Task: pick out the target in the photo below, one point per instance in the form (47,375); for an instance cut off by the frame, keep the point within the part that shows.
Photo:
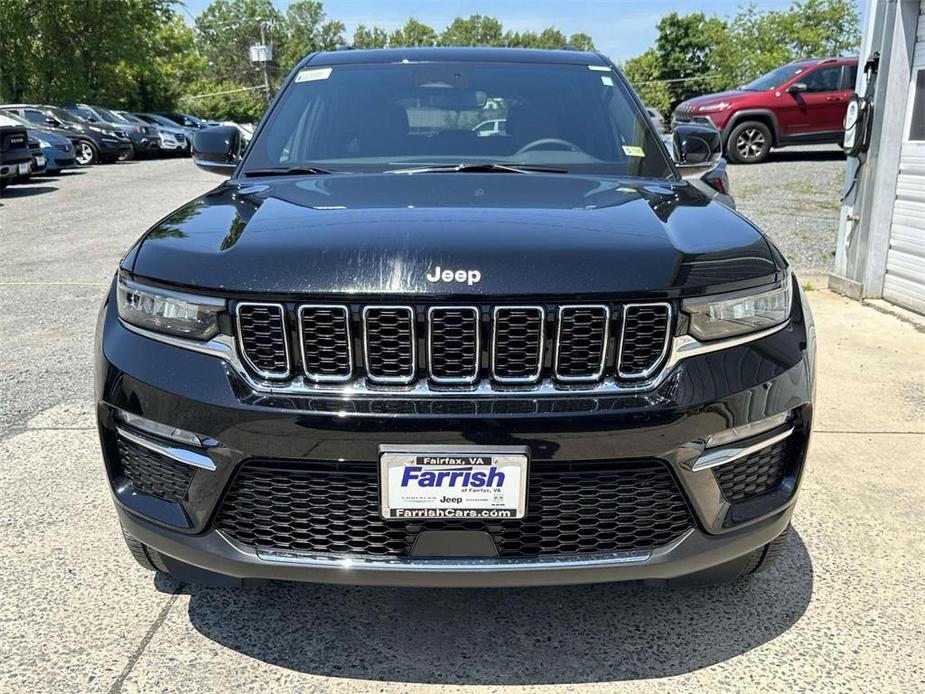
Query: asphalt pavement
(842,611)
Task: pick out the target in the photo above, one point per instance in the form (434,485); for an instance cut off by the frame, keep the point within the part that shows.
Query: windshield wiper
(479,168)
(291,171)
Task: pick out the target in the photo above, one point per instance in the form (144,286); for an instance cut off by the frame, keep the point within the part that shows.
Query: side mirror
(696,148)
(797,88)
(217,149)
(52,121)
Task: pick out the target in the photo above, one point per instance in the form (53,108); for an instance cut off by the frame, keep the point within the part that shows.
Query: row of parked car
(39,138)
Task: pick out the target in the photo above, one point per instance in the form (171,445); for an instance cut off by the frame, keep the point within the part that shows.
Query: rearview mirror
(796,88)
(696,148)
(217,149)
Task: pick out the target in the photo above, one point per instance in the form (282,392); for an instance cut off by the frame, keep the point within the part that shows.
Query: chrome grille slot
(517,344)
(327,350)
(643,339)
(581,342)
(389,343)
(453,344)
(262,339)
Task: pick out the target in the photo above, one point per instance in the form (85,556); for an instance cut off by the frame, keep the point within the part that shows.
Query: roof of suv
(506,55)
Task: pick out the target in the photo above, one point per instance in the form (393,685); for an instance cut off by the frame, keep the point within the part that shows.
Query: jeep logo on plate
(439,274)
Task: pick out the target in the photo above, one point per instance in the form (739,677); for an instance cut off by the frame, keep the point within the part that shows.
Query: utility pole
(266,77)
(262,53)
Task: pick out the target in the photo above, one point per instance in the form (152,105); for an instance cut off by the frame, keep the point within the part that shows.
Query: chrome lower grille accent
(570,346)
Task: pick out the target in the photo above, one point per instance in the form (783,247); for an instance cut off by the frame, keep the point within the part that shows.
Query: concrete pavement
(842,610)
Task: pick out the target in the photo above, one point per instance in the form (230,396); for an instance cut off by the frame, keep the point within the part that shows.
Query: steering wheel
(539,144)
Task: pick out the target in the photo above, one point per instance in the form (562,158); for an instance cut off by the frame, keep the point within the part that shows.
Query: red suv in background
(802,102)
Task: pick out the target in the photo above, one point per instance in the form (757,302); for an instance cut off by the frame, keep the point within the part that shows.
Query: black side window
(851,77)
(825,79)
(33,116)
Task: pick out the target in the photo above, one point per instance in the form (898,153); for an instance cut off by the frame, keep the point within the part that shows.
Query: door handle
(833,98)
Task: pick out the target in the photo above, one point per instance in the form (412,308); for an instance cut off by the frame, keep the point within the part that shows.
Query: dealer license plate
(25,168)
(40,160)
(453,482)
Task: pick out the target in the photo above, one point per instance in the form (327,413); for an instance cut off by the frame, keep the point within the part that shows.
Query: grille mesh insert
(326,349)
(645,334)
(582,342)
(454,344)
(150,473)
(390,347)
(754,475)
(571,509)
(518,344)
(262,331)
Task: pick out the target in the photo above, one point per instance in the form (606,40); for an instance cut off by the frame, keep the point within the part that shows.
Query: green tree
(475,30)
(686,48)
(227,29)
(644,73)
(370,38)
(307,31)
(413,33)
(581,41)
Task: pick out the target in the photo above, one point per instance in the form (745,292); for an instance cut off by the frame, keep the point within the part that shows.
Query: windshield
(61,114)
(4,115)
(382,117)
(773,79)
(109,116)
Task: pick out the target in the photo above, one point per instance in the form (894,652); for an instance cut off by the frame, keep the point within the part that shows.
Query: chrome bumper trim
(464,565)
(180,455)
(732,453)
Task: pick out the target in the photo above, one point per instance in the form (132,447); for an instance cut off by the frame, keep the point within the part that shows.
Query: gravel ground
(841,611)
(795,197)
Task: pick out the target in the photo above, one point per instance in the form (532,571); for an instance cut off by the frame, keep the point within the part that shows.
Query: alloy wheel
(750,143)
(84,153)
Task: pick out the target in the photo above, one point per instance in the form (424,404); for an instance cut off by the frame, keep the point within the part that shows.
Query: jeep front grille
(582,342)
(517,344)
(263,337)
(572,346)
(645,339)
(390,343)
(453,344)
(327,351)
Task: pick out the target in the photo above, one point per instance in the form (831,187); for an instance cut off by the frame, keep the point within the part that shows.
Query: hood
(732,95)
(524,234)
(49,136)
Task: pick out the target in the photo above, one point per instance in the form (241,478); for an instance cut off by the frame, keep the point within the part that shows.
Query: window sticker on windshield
(310,75)
(607,80)
(633,151)
(599,68)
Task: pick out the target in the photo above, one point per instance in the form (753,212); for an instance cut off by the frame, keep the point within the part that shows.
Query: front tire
(743,567)
(145,556)
(749,143)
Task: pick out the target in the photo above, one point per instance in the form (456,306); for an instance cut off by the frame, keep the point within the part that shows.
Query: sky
(620,29)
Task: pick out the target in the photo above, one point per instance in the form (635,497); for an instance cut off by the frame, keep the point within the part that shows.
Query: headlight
(186,315)
(721,316)
(44,143)
(710,108)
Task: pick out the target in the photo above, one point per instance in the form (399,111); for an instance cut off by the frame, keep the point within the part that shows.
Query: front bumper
(703,396)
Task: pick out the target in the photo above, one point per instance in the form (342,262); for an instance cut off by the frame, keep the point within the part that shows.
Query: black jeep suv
(392,350)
